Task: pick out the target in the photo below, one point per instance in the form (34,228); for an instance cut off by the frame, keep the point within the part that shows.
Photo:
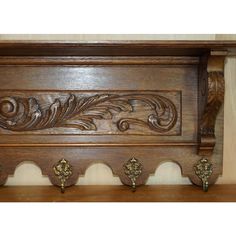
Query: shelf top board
(115,48)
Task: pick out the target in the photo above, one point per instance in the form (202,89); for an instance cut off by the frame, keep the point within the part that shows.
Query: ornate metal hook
(133,169)
(203,170)
(63,170)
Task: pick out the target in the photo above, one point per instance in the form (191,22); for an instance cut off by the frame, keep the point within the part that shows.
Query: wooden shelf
(171,193)
(130,105)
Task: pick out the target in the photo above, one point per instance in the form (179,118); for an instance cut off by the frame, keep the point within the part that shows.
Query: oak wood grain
(160,193)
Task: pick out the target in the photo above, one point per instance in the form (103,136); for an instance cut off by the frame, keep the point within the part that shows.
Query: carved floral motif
(215,98)
(26,114)
(215,89)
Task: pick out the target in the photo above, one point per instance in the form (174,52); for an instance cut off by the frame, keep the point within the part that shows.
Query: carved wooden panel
(156,113)
(130,105)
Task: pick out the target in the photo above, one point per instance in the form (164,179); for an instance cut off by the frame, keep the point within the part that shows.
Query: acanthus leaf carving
(26,114)
(215,99)
(214,87)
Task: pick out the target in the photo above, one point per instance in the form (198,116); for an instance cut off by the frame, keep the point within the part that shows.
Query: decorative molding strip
(124,60)
(79,112)
(160,144)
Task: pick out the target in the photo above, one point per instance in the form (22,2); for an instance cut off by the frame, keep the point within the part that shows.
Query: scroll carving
(214,89)
(80,112)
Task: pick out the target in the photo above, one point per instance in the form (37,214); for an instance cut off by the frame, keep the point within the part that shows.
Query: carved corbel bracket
(211,98)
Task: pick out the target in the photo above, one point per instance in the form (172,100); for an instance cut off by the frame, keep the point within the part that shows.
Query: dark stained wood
(160,193)
(109,102)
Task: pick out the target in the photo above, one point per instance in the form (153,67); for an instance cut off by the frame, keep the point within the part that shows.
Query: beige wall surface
(28,173)
(108,37)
